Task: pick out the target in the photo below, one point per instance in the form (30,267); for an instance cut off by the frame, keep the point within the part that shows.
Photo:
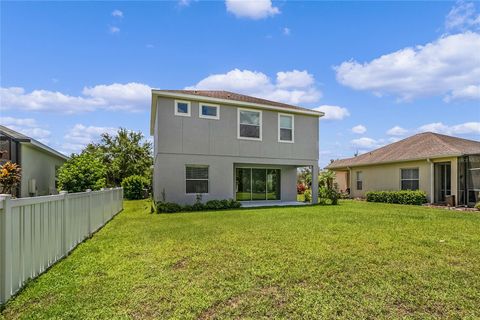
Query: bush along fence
(36,232)
(401,197)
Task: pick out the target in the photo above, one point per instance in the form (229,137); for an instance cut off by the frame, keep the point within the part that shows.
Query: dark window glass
(286,134)
(410,179)
(209,111)
(359,185)
(182,107)
(410,185)
(249,131)
(196,179)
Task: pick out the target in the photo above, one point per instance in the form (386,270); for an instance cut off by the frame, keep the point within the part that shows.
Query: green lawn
(355,260)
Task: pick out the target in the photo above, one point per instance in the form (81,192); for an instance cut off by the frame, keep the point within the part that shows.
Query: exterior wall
(387,176)
(341,180)
(180,140)
(41,166)
(170,176)
(194,135)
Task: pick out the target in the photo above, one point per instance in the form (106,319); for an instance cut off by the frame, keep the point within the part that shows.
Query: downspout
(431,180)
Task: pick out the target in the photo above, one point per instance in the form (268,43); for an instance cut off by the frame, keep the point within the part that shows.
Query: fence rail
(36,232)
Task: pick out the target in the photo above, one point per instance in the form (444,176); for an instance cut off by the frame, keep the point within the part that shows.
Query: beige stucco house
(39,162)
(438,164)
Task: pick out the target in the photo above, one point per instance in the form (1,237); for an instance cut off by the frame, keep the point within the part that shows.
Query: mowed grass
(354,260)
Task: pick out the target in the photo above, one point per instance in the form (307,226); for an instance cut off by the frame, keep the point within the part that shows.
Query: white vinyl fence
(36,232)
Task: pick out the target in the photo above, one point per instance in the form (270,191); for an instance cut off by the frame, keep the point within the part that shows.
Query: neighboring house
(438,164)
(39,162)
(222,145)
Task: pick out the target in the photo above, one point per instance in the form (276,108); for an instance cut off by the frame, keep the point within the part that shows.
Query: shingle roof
(226,95)
(420,146)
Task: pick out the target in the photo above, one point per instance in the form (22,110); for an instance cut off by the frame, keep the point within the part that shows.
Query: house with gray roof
(441,165)
(38,161)
(221,145)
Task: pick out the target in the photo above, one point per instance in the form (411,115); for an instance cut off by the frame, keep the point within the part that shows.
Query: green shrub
(328,195)
(82,172)
(308,195)
(477,205)
(416,197)
(135,187)
(169,207)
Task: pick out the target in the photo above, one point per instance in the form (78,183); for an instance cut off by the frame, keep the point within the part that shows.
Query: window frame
(418,179)
(208,178)
(180,114)
(216,106)
(292,128)
(239,110)
(357,180)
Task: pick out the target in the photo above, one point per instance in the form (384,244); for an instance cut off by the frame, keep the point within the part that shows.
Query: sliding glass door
(257,184)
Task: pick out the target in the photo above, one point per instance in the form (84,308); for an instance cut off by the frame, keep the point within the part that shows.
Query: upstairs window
(409,179)
(249,124)
(182,108)
(359,180)
(209,111)
(285,127)
(196,179)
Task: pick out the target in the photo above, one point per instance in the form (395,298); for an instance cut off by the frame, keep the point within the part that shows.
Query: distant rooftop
(420,146)
(23,138)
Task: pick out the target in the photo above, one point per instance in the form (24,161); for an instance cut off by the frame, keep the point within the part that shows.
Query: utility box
(450,200)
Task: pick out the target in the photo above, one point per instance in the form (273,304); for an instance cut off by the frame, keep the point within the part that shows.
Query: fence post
(103,204)
(66,211)
(5,248)
(112,203)
(89,211)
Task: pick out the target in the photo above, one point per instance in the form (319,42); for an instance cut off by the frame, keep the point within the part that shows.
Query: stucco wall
(39,165)
(387,176)
(170,176)
(194,135)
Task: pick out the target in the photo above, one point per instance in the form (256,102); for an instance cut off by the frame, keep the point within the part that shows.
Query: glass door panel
(259,184)
(273,184)
(244,184)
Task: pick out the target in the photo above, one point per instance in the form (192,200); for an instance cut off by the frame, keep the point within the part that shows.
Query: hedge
(401,197)
(135,187)
(170,207)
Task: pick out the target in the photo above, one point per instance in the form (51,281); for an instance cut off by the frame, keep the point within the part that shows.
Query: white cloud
(469,92)
(294,87)
(28,127)
(294,79)
(286,31)
(462,17)
(130,96)
(445,67)
(80,135)
(117,13)
(360,129)
(463,128)
(184,3)
(367,143)
(397,131)
(333,112)
(253,9)
(113,29)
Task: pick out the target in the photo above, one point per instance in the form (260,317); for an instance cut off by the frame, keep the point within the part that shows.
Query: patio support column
(315,184)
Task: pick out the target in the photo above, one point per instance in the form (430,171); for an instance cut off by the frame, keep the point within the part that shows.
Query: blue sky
(380,70)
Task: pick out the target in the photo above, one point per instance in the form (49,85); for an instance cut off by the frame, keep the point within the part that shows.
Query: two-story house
(223,145)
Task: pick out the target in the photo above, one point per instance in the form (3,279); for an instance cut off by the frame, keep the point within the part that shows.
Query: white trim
(292,128)
(216,106)
(238,124)
(188,114)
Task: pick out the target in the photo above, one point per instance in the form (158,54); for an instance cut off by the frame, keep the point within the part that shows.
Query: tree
(10,176)
(82,172)
(124,154)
